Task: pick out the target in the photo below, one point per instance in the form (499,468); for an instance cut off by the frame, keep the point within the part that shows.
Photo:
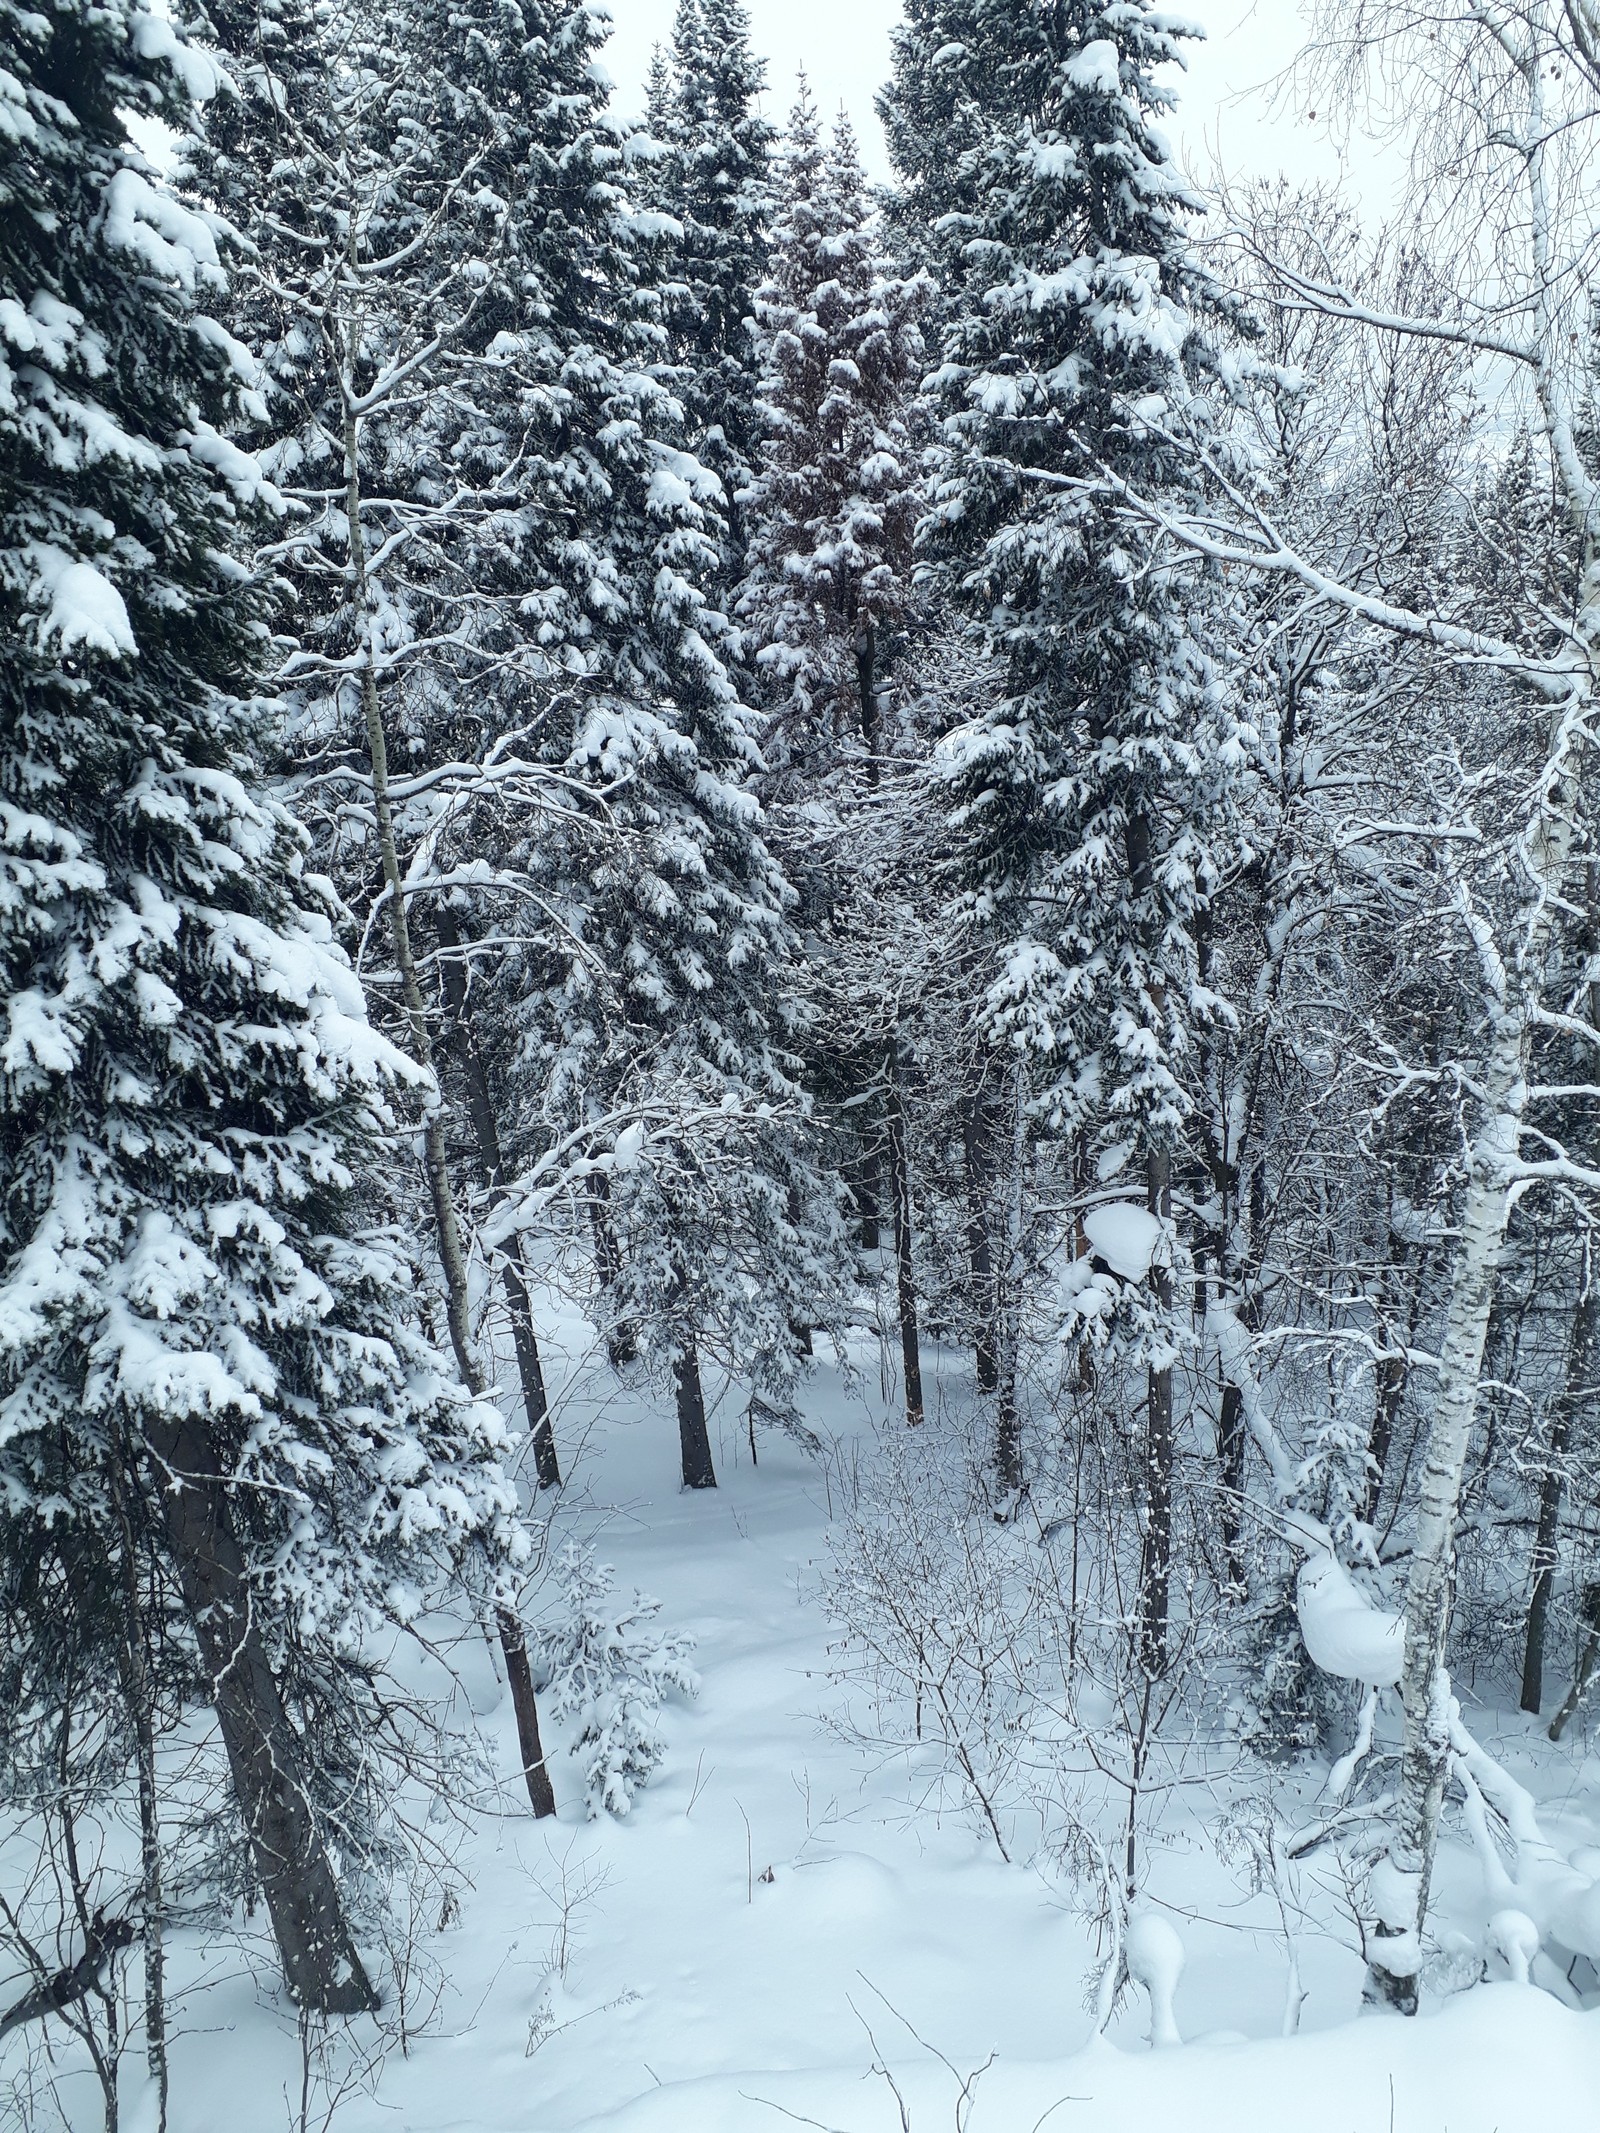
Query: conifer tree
(263,157)
(207,1351)
(720,178)
(658,996)
(1088,797)
(548,611)
(827,591)
(834,503)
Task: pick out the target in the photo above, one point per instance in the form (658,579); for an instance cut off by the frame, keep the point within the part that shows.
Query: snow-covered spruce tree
(716,183)
(358,136)
(661,1037)
(269,145)
(345,193)
(606,1665)
(833,506)
(205,1353)
(1088,798)
(829,520)
(551,608)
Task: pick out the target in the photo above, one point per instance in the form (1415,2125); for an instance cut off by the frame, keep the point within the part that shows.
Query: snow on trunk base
(1154,1956)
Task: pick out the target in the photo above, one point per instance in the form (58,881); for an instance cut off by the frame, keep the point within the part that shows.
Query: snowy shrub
(606,1666)
(948,1623)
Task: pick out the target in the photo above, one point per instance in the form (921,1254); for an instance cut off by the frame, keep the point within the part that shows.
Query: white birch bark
(1540,239)
(1402,1895)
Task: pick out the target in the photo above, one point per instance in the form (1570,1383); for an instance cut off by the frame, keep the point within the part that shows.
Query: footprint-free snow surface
(787,1929)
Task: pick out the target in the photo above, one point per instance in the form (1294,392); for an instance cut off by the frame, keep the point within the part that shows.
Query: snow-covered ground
(772,1919)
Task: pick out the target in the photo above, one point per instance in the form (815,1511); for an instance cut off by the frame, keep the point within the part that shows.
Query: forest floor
(778,1916)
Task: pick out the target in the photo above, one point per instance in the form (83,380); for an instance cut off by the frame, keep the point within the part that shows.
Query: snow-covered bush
(605,1665)
(950,1624)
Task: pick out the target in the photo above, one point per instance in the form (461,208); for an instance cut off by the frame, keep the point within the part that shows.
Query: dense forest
(925,848)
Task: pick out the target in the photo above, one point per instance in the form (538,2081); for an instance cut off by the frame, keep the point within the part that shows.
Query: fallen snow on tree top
(1124,1235)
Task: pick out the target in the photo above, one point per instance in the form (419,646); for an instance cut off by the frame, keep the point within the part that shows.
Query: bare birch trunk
(1155,1595)
(1401,1886)
(452,1255)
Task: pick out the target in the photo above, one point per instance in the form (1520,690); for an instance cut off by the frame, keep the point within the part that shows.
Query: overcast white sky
(844,47)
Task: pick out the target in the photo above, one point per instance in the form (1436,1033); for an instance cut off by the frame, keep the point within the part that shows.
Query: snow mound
(1124,1235)
(1516,1938)
(85,608)
(1343,1632)
(1155,1958)
(1096,70)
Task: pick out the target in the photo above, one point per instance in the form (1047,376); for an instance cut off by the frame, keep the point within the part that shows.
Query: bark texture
(694,1438)
(905,1275)
(320,1963)
(1394,1951)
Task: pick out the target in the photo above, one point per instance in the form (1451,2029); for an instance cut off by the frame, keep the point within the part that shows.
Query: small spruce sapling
(608,1667)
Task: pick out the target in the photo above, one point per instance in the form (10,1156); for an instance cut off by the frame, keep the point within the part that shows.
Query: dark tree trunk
(694,1438)
(1589,1616)
(1583,1350)
(1008,1313)
(1230,1458)
(320,1963)
(524,1703)
(1544,1571)
(800,1328)
(1008,1428)
(904,1270)
(621,1344)
(1392,1376)
(1156,1568)
(513,1266)
(139,1695)
(869,1194)
(976,1149)
(866,651)
(1156,1574)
